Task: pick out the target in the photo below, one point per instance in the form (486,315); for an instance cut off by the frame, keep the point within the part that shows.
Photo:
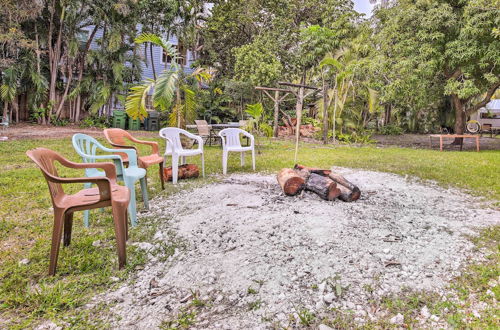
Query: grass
(28,295)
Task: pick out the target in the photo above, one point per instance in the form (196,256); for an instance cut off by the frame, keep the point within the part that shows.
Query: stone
(24,262)
(424,312)
(324,327)
(329,298)
(398,319)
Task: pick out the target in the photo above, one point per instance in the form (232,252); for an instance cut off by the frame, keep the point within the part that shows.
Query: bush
(391,130)
(94,121)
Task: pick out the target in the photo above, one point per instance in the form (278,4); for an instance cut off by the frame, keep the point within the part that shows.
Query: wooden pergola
(277,100)
(301,95)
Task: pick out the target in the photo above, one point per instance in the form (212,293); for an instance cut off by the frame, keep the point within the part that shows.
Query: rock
(321,287)
(434,318)
(96,243)
(398,319)
(329,298)
(424,312)
(324,327)
(24,262)
(114,279)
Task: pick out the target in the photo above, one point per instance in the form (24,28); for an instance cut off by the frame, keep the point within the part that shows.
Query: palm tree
(170,87)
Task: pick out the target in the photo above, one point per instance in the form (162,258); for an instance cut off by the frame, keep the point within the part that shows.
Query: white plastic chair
(231,143)
(174,148)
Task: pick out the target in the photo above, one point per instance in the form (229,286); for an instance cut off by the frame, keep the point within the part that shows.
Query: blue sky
(363,6)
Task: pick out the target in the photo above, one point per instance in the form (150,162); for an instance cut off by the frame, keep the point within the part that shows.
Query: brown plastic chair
(205,131)
(117,138)
(107,193)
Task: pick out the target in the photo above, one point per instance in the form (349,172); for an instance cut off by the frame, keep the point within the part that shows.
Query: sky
(363,6)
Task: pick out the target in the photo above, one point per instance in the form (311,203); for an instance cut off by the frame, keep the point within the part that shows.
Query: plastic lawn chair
(87,147)
(231,143)
(174,148)
(119,138)
(107,193)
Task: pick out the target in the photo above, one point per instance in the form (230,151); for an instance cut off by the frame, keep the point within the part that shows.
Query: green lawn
(88,266)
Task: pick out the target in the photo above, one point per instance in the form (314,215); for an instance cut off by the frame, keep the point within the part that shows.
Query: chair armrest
(131,153)
(190,135)
(109,168)
(152,144)
(103,183)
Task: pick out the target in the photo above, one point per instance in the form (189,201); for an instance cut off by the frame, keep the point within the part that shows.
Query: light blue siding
(147,64)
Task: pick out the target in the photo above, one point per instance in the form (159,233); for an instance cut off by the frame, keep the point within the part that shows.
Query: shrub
(391,130)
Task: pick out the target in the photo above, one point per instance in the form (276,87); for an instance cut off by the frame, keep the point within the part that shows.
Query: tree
(451,50)
(257,62)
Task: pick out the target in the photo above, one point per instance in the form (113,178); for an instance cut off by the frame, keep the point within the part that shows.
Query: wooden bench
(453,136)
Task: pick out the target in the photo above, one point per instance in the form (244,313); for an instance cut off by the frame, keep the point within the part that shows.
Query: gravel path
(254,258)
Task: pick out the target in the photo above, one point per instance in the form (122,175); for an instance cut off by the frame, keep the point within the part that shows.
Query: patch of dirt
(31,131)
(421,141)
(254,258)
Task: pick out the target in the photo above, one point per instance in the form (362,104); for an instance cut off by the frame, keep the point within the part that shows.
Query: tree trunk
(152,60)
(276,113)
(5,110)
(387,114)
(15,108)
(290,181)
(459,118)
(325,111)
(323,186)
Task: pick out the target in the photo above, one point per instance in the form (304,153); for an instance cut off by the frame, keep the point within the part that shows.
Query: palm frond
(135,106)
(164,89)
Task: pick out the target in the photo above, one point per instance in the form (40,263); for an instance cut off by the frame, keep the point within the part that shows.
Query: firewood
(350,194)
(290,181)
(312,170)
(323,186)
(185,171)
(354,192)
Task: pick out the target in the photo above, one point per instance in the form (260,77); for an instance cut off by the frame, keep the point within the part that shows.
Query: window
(82,36)
(166,59)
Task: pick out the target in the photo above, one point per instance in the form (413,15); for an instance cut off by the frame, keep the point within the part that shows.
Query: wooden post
(276,113)
(277,100)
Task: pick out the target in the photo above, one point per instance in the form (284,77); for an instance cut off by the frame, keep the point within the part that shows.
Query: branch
(485,100)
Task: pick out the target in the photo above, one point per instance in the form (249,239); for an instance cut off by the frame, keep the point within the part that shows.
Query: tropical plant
(258,124)
(171,88)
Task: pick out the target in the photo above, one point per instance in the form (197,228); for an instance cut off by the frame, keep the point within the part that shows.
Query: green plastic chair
(87,147)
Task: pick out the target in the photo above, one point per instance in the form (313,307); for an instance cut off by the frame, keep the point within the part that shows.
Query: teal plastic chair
(87,147)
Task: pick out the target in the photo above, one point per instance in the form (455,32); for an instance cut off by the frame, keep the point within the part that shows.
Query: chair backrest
(243,123)
(203,128)
(86,146)
(231,137)
(117,136)
(174,136)
(45,159)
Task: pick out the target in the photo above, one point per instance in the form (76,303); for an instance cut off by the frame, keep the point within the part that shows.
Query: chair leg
(203,164)
(175,168)
(224,162)
(253,159)
(86,213)
(68,226)
(132,212)
(162,180)
(120,221)
(56,240)
(144,189)
(242,158)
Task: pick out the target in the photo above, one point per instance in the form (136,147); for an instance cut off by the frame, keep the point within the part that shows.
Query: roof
(493,105)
